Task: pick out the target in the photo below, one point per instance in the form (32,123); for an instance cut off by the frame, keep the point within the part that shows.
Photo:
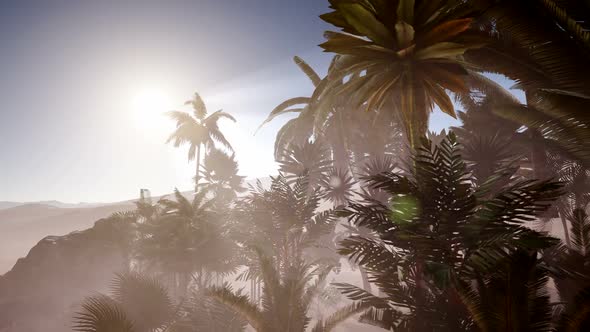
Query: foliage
(407,51)
(198,129)
(138,303)
(204,314)
(287,294)
(283,221)
(539,45)
(439,226)
(187,237)
(220,176)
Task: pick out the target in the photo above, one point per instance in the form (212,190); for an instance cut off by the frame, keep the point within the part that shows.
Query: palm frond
(305,68)
(238,302)
(102,314)
(144,299)
(330,323)
(580,231)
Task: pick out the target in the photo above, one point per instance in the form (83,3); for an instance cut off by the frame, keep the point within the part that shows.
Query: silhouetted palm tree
(198,129)
(220,173)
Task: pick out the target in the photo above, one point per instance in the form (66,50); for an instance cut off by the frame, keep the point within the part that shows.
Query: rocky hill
(43,290)
(21,227)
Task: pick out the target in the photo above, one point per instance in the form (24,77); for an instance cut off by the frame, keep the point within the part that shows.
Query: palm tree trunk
(365,279)
(566,231)
(197,175)
(538,156)
(183,282)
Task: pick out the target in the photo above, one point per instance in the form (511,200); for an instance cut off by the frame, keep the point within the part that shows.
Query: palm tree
(198,129)
(201,313)
(188,237)
(511,295)
(569,265)
(405,53)
(220,173)
(140,303)
(310,159)
(137,303)
(542,45)
(349,135)
(288,291)
(282,220)
(439,227)
(300,129)
(491,143)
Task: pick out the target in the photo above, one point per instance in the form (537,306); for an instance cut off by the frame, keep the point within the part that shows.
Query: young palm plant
(283,221)
(438,228)
(287,294)
(137,304)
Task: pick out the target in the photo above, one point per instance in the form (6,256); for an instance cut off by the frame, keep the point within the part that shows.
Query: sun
(150,106)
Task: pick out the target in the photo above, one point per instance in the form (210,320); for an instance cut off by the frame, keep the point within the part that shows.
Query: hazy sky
(78,77)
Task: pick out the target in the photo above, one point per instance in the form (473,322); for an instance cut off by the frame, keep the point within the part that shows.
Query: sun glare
(150,106)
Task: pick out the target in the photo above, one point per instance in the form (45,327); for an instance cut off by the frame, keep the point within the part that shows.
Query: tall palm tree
(198,129)
(407,53)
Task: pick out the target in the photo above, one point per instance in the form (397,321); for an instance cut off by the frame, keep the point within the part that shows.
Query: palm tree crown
(404,52)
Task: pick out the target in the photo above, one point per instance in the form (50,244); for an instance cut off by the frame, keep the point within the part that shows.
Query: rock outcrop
(44,289)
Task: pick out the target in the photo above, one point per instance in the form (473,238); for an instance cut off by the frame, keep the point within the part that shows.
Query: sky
(85,84)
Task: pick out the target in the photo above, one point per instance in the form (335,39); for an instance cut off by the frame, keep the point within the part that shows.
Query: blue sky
(71,70)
